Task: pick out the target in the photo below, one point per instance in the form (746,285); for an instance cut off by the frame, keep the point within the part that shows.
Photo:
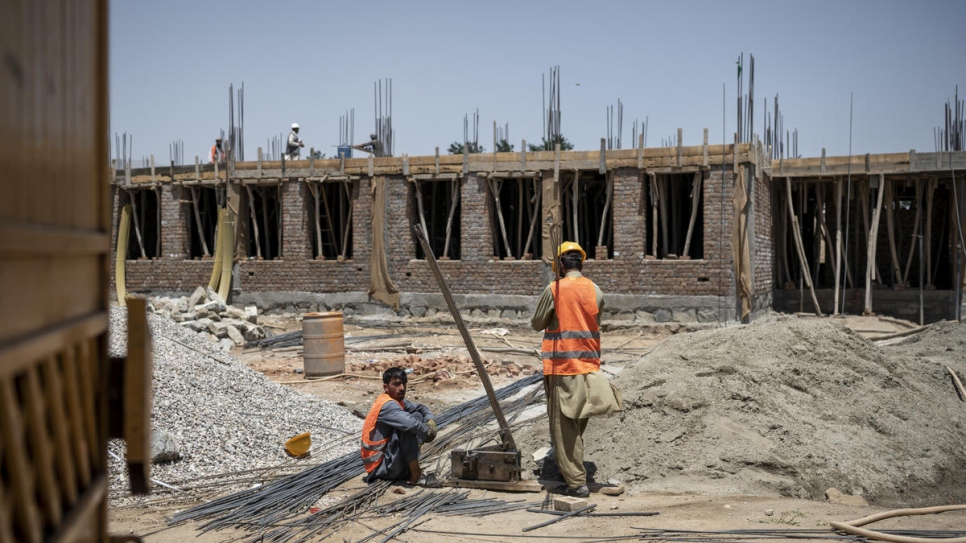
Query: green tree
(545,145)
(318,155)
(456,148)
(503,146)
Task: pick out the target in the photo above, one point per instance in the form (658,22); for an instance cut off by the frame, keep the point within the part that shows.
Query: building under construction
(708,233)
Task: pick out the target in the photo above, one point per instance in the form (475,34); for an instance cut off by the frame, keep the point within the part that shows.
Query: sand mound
(792,407)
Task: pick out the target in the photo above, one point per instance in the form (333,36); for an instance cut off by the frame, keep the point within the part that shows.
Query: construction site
(190,351)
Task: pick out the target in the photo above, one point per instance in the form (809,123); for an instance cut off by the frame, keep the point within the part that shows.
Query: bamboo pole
(603,216)
(870,254)
(695,201)
(495,186)
(454,199)
(801,249)
(251,213)
(201,233)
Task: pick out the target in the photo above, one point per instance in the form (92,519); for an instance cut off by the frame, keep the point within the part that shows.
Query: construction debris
(206,313)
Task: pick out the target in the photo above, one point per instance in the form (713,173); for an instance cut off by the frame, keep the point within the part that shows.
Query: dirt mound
(792,407)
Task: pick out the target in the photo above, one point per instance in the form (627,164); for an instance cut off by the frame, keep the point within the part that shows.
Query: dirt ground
(442,378)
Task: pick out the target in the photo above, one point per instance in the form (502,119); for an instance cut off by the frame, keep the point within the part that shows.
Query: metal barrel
(323,344)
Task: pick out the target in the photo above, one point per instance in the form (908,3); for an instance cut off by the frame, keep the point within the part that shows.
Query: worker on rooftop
(569,313)
(217,153)
(393,431)
(294,145)
(373,146)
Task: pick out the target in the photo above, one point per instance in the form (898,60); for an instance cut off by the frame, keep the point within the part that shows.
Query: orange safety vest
(573,348)
(372,450)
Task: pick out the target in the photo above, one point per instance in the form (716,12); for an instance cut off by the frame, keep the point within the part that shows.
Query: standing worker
(393,431)
(373,146)
(292,148)
(569,313)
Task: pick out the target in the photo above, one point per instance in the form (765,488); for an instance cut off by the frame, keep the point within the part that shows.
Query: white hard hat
(295,125)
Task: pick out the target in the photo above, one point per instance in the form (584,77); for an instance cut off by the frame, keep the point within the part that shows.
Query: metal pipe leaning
(852,526)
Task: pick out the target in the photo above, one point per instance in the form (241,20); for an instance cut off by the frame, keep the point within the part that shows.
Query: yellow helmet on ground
(568,247)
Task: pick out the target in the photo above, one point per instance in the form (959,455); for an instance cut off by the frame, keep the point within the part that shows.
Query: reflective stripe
(571,335)
(377,446)
(563,355)
(374,459)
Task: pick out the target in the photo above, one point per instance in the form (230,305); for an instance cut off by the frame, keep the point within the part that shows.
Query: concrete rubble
(206,313)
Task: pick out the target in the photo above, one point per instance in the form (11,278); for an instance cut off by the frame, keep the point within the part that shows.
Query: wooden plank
(27,517)
(75,416)
(41,445)
(85,516)
(21,353)
(23,239)
(64,460)
(137,396)
(798,245)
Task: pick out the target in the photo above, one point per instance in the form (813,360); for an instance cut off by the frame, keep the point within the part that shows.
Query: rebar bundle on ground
(279,505)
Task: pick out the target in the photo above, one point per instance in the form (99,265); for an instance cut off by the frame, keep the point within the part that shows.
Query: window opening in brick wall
(514,212)
(331,218)
(587,211)
(674,215)
(927,214)
(437,208)
(203,220)
(145,242)
(264,221)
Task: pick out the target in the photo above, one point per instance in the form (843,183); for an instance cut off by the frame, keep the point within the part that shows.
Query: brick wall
(476,272)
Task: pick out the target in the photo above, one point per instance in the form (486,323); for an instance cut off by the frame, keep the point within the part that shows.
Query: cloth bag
(587,395)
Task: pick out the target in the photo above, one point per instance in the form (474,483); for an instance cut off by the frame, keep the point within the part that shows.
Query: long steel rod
(505,436)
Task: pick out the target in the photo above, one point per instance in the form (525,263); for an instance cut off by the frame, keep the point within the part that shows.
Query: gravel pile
(224,416)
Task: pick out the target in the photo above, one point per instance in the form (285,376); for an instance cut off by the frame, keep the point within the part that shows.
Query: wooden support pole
(314,189)
(839,259)
(495,186)
(137,221)
(870,254)
(655,198)
(251,212)
(574,201)
(157,233)
(454,200)
(348,218)
(518,183)
(662,203)
(419,205)
(930,194)
(278,217)
(890,229)
(328,217)
(537,196)
(798,244)
(201,230)
(268,239)
(915,232)
(695,203)
(782,245)
(603,216)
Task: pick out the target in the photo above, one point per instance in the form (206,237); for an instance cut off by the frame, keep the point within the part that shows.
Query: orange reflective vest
(372,450)
(573,348)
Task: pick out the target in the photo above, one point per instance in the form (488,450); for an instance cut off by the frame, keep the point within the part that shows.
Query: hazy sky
(672,62)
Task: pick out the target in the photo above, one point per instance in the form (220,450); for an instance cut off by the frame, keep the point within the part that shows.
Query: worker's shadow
(550,472)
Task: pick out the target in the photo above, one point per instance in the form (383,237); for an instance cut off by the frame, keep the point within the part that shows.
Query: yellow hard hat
(566,247)
(569,246)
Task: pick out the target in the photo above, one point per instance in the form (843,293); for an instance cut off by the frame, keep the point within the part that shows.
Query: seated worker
(393,431)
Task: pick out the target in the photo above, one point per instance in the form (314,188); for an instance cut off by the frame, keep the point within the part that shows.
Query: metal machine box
(486,464)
